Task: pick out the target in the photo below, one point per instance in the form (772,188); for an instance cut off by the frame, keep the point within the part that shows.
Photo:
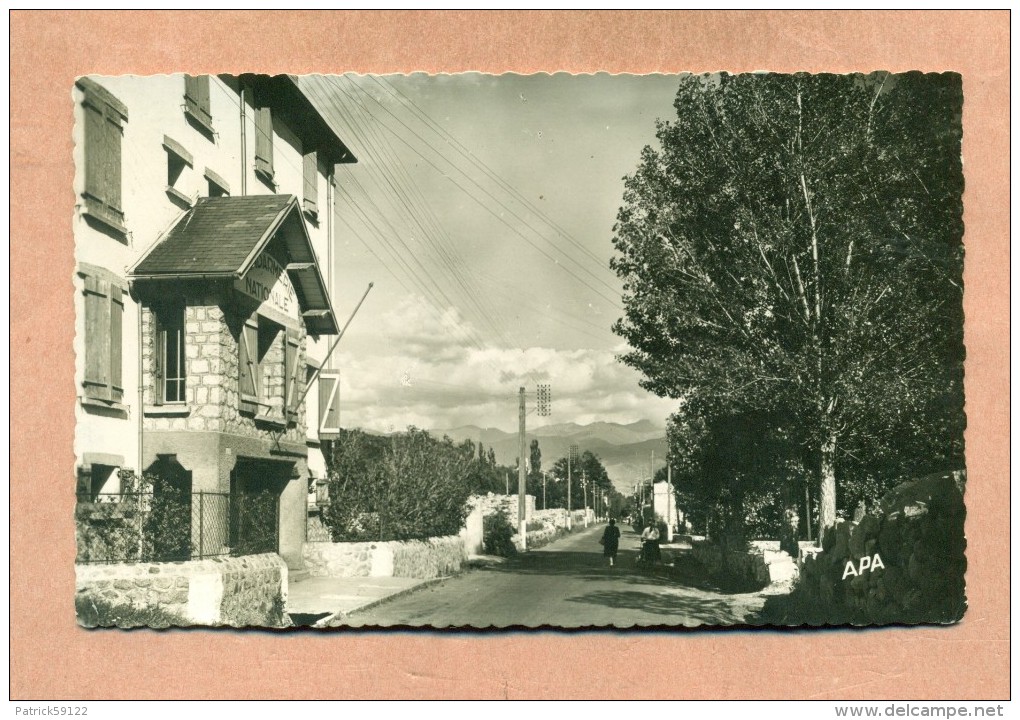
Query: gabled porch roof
(221,238)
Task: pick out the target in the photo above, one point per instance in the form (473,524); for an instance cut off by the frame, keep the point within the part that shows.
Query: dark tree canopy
(793,251)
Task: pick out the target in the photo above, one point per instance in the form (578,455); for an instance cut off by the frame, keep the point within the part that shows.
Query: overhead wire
(417,207)
(396,189)
(442,256)
(485,207)
(481,165)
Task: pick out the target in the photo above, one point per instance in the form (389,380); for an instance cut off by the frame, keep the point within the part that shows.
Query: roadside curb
(343,614)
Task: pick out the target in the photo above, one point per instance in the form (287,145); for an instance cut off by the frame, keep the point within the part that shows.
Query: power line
(480,202)
(396,190)
(477,162)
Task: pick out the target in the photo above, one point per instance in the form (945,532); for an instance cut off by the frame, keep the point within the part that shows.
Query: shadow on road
(683,572)
(695,608)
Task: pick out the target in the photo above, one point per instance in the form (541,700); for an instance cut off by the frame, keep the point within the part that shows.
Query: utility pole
(584,489)
(506,474)
(522,477)
(669,497)
(570,459)
(544,478)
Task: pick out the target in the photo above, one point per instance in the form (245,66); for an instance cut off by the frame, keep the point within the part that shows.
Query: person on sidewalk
(610,541)
(650,543)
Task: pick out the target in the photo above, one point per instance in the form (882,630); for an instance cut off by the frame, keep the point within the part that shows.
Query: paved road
(565,584)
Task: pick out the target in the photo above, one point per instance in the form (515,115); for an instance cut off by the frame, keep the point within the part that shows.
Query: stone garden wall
(492,503)
(914,571)
(759,565)
(435,557)
(237,591)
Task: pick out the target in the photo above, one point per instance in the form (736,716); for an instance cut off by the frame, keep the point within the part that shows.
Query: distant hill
(625,450)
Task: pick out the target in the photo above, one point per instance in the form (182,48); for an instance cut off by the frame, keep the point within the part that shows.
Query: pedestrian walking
(610,541)
(650,543)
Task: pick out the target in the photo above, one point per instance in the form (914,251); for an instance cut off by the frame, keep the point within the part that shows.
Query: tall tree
(793,250)
(536,457)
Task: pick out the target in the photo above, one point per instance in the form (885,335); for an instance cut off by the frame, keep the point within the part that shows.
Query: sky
(482,208)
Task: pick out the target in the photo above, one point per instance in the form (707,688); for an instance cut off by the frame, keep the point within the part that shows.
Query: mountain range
(630,452)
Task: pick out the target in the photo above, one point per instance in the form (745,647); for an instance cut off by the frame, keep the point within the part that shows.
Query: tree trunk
(827,487)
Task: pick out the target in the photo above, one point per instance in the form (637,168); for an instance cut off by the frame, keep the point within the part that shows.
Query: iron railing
(173,525)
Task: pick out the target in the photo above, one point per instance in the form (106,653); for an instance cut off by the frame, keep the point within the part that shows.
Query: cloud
(434,370)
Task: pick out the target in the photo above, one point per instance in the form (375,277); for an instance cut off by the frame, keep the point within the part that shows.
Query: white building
(664,505)
(204,264)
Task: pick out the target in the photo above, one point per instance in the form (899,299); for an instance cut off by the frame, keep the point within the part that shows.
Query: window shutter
(196,99)
(111,195)
(248,364)
(329,405)
(97,338)
(264,140)
(116,343)
(103,132)
(311,185)
(293,389)
(95,143)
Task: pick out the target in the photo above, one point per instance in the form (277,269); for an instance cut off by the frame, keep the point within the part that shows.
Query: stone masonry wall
(430,558)
(241,591)
(918,535)
(760,564)
(213,382)
(491,503)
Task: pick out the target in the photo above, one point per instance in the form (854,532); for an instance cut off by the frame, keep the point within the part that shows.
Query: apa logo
(866,563)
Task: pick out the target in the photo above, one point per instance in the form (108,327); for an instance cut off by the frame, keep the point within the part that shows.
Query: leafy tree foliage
(402,487)
(792,256)
(587,467)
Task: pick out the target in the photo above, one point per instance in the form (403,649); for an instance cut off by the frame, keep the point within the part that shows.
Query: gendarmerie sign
(267,282)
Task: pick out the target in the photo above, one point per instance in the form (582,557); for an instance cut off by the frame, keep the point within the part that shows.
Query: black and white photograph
(515,351)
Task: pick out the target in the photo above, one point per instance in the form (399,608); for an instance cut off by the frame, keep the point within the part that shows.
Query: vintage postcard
(519,351)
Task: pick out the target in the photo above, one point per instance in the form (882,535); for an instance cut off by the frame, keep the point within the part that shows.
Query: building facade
(204,265)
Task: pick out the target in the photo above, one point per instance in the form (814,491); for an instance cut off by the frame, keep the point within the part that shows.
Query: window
(197,107)
(311,184)
(218,187)
(177,161)
(264,143)
(270,370)
(170,366)
(104,118)
(104,316)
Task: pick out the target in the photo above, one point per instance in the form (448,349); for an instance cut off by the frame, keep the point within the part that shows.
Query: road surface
(566,584)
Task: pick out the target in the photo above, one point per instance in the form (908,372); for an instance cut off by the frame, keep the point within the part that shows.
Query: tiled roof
(214,237)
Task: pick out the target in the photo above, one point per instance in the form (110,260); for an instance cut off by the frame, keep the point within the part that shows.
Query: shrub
(497,535)
(149,521)
(404,487)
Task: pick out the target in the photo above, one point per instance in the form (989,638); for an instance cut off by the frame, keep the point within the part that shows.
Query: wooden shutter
(95,144)
(292,377)
(311,185)
(103,133)
(97,338)
(329,405)
(116,343)
(112,195)
(264,140)
(196,99)
(248,364)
